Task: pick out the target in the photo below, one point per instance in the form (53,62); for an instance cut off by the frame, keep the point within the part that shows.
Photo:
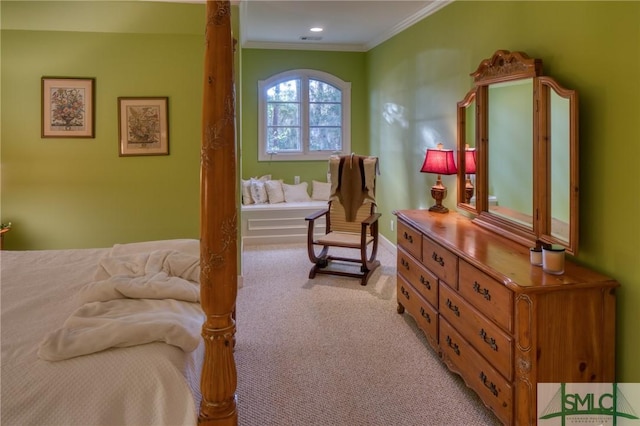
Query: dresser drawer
(479,375)
(491,297)
(440,261)
(425,315)
(410,240)
(484,335)
(418,276)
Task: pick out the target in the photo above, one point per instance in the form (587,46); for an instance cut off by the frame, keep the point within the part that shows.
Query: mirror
(521,129)
(559,127)
(467,158)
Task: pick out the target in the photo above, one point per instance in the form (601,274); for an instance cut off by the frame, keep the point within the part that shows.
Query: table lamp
(441,162)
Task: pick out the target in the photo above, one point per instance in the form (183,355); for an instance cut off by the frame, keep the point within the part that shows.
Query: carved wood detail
(218,221)
(505,65)
(524,320)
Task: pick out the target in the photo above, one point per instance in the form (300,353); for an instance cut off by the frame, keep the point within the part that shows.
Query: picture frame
(68,107)
(143,126)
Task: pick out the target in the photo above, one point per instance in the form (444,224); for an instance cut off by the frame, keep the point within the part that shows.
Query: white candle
(553,259)
(535,256)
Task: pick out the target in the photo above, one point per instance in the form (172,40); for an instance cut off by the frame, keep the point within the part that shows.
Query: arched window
(304,115)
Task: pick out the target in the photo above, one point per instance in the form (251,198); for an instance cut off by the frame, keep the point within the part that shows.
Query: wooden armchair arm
(371,219)
(316,215)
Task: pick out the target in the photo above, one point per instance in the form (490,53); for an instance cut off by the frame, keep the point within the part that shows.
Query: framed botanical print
(143,126)
(68,107)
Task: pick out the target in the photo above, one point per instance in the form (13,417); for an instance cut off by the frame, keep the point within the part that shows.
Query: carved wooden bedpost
(218,211)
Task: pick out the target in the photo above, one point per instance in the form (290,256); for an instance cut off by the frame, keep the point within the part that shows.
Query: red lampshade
(439,161)
(470,161)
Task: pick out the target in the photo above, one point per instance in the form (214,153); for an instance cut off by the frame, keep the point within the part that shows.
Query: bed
(152,383)
(43,384)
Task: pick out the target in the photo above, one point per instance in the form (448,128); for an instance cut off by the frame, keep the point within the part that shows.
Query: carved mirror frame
(505,66)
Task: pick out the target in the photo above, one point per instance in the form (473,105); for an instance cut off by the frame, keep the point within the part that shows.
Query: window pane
(303,115)
(323,92)
(325,139)
(283,114)
(325,114)
(286,91)
(283,139)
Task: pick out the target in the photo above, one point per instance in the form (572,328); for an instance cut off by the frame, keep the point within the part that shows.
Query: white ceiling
(348,25)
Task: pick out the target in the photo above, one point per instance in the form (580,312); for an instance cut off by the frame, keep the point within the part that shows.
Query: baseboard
(387,244)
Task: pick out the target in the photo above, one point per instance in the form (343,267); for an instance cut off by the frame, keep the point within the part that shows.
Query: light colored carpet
(329,351)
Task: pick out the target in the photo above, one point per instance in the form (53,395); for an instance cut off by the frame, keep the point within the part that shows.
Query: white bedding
(149,384)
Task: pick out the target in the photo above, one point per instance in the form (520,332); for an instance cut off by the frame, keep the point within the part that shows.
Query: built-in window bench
(278,223)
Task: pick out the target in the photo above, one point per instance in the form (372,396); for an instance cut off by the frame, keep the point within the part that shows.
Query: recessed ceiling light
(316,30)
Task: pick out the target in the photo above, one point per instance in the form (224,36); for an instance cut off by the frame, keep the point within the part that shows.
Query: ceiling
(348,25)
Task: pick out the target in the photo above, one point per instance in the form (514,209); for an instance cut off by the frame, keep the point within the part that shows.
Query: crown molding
(413,19)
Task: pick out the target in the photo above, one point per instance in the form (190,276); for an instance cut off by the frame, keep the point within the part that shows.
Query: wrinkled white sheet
(140,298)
(151,384)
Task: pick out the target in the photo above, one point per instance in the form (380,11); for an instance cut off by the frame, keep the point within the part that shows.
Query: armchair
(351,221)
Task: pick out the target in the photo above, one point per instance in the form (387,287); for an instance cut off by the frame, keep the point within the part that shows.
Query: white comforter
(150,384)
(136,299)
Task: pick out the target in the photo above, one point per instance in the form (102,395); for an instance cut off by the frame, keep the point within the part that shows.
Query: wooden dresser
(2,232)
(499,322)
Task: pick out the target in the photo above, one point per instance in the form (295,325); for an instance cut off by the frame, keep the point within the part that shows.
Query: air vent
(310,38)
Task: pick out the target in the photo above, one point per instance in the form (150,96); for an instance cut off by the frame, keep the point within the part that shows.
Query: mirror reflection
(559,158)
(559,130)
(510,143)
(467,158)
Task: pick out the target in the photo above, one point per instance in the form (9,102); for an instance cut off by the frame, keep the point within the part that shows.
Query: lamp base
(468,190)
(438,192)
(438,208)
(468,194)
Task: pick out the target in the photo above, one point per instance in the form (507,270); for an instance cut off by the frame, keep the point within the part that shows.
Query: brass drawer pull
(453,307)
(425,314)
(437,258)
(404,263)
(490,385)
(488,340)
(425,282)
(404,292)
(482,291)
(408,237)
(453,346)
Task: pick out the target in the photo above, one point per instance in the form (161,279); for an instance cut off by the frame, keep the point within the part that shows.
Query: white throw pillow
(246,191)
(246,188)
(258,192)
(275,193)
(296,193)
(320,190)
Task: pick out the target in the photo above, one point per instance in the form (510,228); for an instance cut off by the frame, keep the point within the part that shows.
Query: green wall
(63,193)
(78,193)
(260,64)
(588,46)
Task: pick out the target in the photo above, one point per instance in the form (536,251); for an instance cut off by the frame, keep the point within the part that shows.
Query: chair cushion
(342,239)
